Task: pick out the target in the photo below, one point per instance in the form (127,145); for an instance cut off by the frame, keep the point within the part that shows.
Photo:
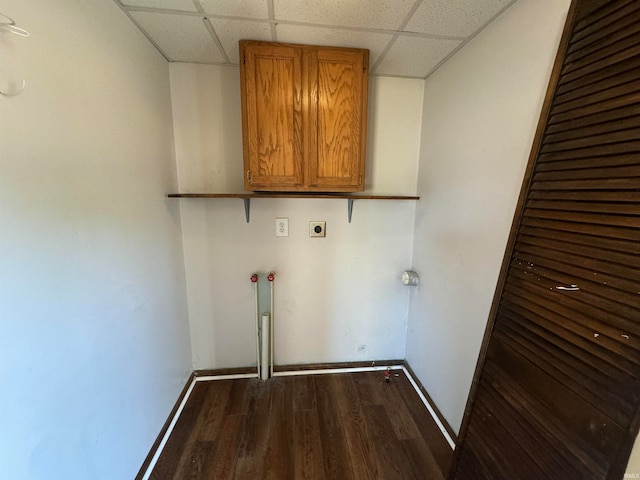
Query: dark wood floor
(342,426)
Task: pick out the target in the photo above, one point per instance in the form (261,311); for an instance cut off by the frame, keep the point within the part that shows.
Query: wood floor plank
(174,449)
(421,458)
(402,422)
(358,436)
(378,391)
(317,427)
(280,461)
(308,453)
(393,459)
(304,397)
(213,409)
(198,462)
(428,428)
(368,387)
(255,437)
(337,464)
(253,442)
(239,397)
(226,454)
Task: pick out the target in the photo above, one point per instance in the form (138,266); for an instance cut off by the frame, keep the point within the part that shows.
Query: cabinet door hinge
(249,176)
(244,58)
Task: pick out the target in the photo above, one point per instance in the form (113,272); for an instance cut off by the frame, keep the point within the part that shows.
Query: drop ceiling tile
(385,14)
(415,56)
(184,5)
(236,8)
(230,32)
(375,42)
(459,18)
(182,38)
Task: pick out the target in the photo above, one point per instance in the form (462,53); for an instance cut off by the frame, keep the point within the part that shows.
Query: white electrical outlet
(317,229)
(282,227)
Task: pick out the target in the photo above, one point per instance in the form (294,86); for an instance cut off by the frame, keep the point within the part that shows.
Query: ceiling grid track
(276,21)
(144,32)
(467,40)
(406,38)
(272,20)
(210,29)
(406,20)
(214,36)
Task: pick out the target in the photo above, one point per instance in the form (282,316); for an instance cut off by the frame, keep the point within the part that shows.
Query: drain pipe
(264,373)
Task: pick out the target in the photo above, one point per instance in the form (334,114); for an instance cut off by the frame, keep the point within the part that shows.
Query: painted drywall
(336,299)
(633,467)
(480,114)
(94,336)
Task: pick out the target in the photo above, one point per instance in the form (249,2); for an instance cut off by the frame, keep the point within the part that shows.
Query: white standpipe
(265,334)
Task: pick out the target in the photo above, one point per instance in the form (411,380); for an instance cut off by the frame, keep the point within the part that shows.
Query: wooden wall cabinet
(304,117)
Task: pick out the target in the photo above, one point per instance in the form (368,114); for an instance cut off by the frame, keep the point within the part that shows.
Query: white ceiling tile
(459,18)
(415,56)
(236,8)
(182,38)
(385,14)
(375,42)
(230,32)
(185,38)
(184,5)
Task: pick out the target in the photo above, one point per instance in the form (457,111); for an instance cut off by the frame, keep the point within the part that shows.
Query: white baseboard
(290,373)
(165,437)
(431,410)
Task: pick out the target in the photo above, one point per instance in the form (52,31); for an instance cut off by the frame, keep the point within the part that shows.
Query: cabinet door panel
(273,129)
(337,120)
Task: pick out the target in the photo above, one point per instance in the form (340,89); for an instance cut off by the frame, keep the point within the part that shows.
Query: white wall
(480,114)
(633,467)
(336,299)
(94,342)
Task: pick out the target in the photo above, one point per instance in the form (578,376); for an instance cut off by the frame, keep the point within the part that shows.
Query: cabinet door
(337,119)
(271,89)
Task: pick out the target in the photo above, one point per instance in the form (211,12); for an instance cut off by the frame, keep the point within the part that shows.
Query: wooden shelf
(246,197)
(291,195)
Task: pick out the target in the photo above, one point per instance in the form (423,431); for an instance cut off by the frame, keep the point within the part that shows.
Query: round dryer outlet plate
(317,229)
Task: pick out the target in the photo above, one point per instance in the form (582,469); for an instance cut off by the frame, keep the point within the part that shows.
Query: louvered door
(556,393)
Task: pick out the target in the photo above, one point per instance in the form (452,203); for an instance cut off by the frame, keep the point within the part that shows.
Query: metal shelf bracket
(247,208)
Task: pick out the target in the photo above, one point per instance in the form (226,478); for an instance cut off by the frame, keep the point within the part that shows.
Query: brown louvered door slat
(556,394)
